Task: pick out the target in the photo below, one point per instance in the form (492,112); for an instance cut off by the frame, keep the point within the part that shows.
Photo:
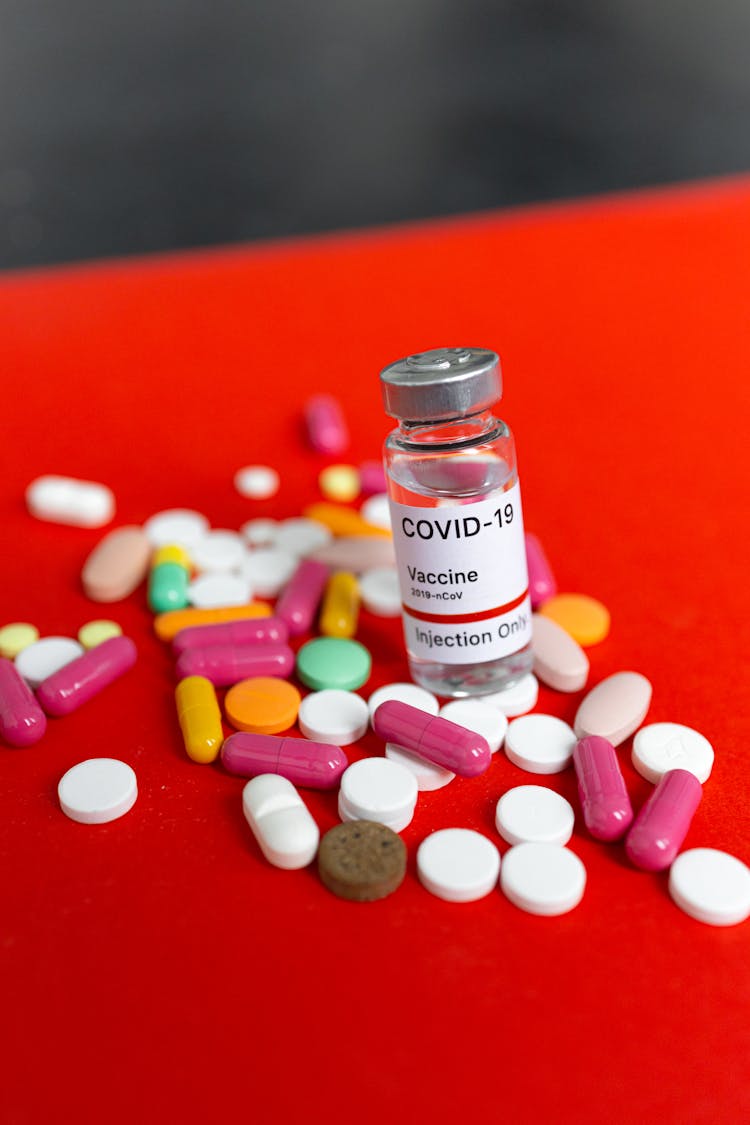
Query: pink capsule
(78,682)
(662,824)
(22,721)
(253,630)
(326,426)
(442,742)
(604,799)
(542,584)
(301,597)
(228,664)
(314,764)
(372,478)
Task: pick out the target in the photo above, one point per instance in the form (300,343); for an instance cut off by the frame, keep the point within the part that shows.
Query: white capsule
(280,821)
(79,503)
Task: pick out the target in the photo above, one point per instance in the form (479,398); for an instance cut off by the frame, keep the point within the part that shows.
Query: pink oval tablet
(313,764)
(447,744)
(606,806)
(117,565)
(22,721)
(356,553)
(559,661)
(224,665)
(253,630)
(614,708)
(85,677)
(662,824)
(542,584)
(299,601)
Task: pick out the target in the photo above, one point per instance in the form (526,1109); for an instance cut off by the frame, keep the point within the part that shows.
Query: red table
(157,968)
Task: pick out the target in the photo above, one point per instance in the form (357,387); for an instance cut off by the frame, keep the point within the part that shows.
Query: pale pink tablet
(117,564)
(614,708)
(559,661)
(356,553)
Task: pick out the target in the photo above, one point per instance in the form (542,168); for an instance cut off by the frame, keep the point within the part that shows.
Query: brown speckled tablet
(361,860)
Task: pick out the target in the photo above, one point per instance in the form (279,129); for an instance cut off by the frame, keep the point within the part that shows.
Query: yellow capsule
(340,612)
(172,553)
(200,718)
(167,625)
(342,520)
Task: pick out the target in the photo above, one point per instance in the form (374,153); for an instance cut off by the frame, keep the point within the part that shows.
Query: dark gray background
(131,127)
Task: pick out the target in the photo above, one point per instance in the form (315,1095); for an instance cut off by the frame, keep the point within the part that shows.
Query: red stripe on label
(465,618)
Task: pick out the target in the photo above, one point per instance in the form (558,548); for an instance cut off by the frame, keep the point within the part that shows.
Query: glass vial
(457,523)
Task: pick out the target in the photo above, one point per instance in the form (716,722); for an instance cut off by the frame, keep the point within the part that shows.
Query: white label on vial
(463,577)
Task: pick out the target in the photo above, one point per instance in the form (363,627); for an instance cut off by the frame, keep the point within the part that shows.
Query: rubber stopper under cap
(441,384)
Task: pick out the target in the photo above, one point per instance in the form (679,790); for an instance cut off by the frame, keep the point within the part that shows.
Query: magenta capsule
(314,764)
(301,597)
(22,721)
(662,824)
(228,664)
(542,584)
(606,806)
(253,630)
(78,682)
(447,744)
(326,426)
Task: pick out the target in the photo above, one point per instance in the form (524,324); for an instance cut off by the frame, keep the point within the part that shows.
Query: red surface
(157,968)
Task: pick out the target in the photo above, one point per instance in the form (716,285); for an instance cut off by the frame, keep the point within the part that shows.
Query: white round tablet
(335,717)
(540,743)
(517,699)
(534,814)
(376,510)
(268,569)
(97,790)
(711,886)
(380,591)
(214,591)
(542,878)
(218,551)
(429,776)
(477,716)
(45,657)
(660,747)
(458,864)
(257,482)
(301,536)
(412,694)
(378,789)
(259,533)
(180,526)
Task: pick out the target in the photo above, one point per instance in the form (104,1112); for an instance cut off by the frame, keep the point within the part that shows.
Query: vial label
(462,573)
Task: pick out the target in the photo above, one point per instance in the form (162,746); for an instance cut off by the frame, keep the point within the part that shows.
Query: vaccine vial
(457,523)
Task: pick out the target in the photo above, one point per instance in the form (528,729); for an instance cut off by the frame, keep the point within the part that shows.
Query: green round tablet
(332,662)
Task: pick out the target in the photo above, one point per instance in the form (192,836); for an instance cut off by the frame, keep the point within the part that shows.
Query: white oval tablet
(458,864)
(257,482)
(259,533)
(378,789)
(268,569)
(280,821)
(540,743)
(429,776)
(476,715)
(176,526)
(215,591)
(711,886)
(542,879)
(614,708)
(78,503)
(534,814)
(404,693)
(335,717)
(517,699)
(376,510)
(301,536)
(559,661)
(660,747)
(45,657)
(97,790)
(218,551)
(380,591)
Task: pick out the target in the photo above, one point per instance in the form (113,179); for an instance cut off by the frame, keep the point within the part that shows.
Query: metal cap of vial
(441,384)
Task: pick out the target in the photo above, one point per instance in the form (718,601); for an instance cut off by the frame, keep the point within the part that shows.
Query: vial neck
(471,429)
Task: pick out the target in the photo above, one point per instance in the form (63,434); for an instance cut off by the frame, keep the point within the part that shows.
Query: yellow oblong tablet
(583,618)
(200,718)
(167,625)
(340,611)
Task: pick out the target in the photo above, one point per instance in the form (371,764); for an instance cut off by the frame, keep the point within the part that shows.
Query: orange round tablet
(585,619)
(263,705)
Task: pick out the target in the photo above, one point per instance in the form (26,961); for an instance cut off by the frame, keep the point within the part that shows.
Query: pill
(517,699)
(542,583)
(660,747)
(480,717)
(298,603)
(539,743)
(661,826)
(176,525)
(372,478)
(94,632)
(356,553)
(218,551)
(253,630)
(216,590)
(326,426)
(543,879)
(260,532)
(173,553)
(380,591)
(97,791)
(711,886)
(228,664)
(439,740)
(17,636)
(405,693)
(280,821)
(22,721)
(78,503)
(584,618)
(312,764)
(300,536)
(334,716)
(333,662)
(339,482)
(262,704)
(607,811)
(117,565)
(559,661)
(38,661)
(380,790)
(257,482)
(614,708)
(199,717)
(78,682)
(362,861)
(341,520)
(429,777)
(458,864)
(339,613)
(534,814)
(168,625)
(268,570)
(168,584)
(376,511)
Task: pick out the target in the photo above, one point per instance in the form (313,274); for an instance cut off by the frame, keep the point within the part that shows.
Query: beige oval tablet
(356,553)
(117,564)
(614,708)
(559,661)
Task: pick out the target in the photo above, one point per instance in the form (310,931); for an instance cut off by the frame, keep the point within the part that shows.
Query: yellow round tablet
(340,482)
(94,632)
(585,619)
(262,704)
(17,636)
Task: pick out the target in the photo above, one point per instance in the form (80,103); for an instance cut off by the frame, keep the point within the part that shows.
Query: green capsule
(168,587)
